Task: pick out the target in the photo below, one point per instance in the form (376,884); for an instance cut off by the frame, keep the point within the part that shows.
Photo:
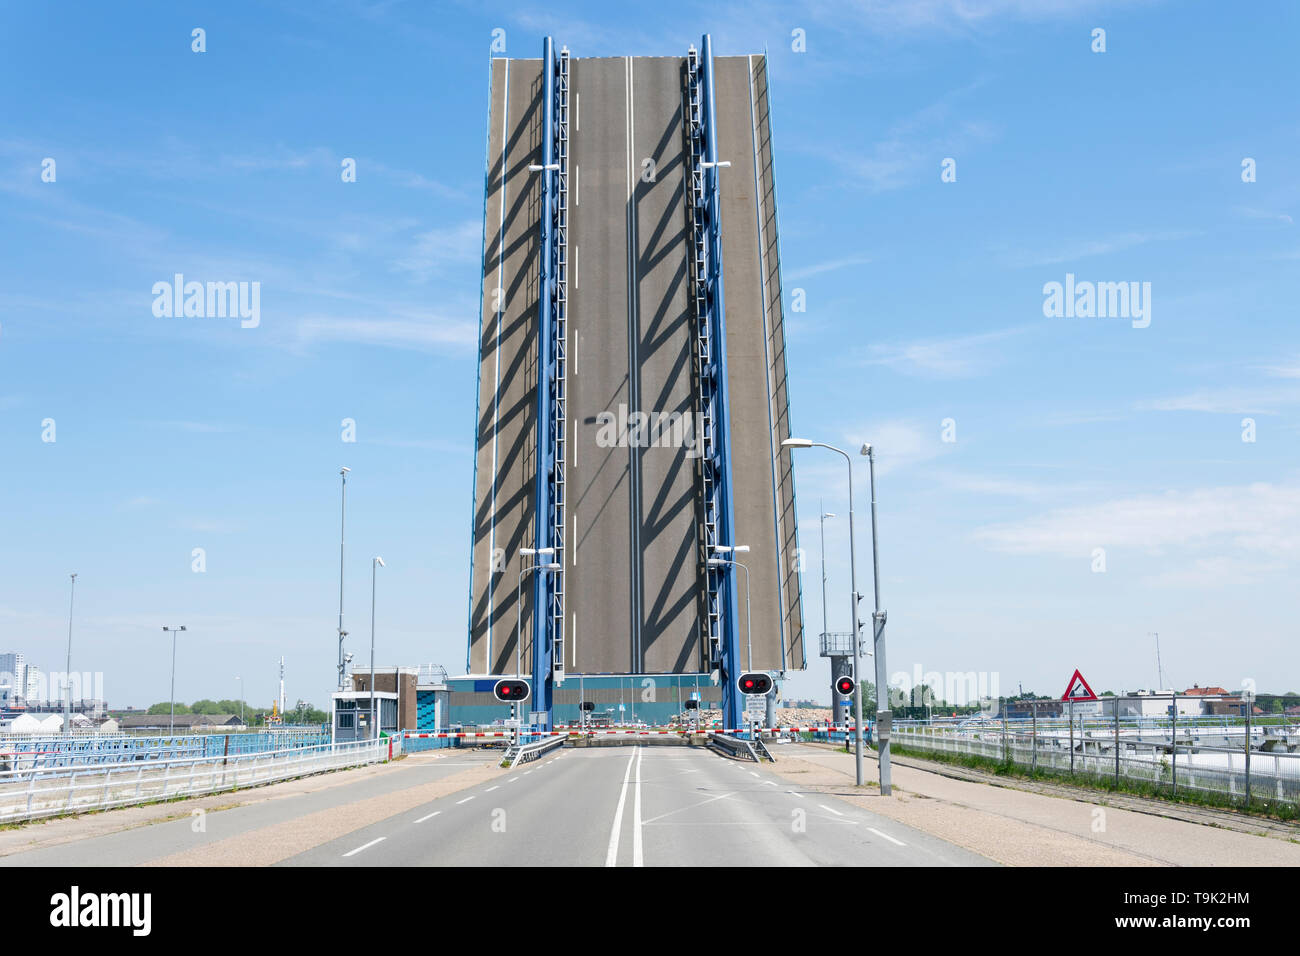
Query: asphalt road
(636,806)
(273,806)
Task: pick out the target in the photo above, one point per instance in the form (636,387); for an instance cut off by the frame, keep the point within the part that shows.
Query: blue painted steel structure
(721,596)
(552,331)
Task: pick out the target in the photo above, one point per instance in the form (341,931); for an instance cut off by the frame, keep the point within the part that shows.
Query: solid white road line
(429,816)
(637,858)
(466,800)
(830,809)
(886,836)
(611,855)
(364,846)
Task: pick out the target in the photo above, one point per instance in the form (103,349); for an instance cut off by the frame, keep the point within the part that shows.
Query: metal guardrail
(1101,751)
(524,753)
(43,792)
(734,746)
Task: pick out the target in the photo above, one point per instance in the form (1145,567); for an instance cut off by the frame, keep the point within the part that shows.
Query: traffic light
(844,686)
(511,691)
(587,705)
(692,705)
(754,684)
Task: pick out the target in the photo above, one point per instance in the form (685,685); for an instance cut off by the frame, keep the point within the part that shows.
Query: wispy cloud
(831,265)
(955,357)
(438,248)
(1262,518)
(913,146)
(1229,400)
(1087,248)
(422,332)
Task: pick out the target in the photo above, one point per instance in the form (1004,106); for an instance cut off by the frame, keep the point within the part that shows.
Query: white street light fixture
(519,608)
(171,723)
(538,167)
(857,632)
(721,164)
(722,562)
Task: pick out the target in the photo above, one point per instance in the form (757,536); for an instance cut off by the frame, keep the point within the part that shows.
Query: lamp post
(241,698)
(343,520)
(375,564)
(824,516)
(171,721)
(719,562)
(519,605)
(878,617)
(67,674)
(857,627)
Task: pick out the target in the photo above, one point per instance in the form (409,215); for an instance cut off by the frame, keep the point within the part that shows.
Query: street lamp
(241,698)
(824,516)
(857,627)
(519,603)
(171,723)
(67,674)
(377,563)
(343,519)
(878,617)
(721,562)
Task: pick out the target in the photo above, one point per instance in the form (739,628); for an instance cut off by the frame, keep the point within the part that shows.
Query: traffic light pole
(857,637)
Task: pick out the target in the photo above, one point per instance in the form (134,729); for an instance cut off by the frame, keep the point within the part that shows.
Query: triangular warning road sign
(1078,688)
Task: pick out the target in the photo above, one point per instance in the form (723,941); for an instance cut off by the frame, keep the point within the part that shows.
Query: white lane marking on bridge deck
(575,289)
(830,809)
(577,188)
(466,800)
(633,364)
(577,112)
(753,773)
(490,789)
(769,783)
(638,859)
(886,836)
(512,780)
(428,816)
(797,796)
(574,642)
(611,855)
(365,846)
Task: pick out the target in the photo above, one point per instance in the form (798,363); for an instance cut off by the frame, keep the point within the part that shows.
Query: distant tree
(166,708)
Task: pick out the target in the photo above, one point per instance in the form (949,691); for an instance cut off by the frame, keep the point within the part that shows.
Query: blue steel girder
(715,463)
(548,586)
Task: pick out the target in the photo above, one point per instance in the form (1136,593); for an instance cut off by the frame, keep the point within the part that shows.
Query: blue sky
(924,303)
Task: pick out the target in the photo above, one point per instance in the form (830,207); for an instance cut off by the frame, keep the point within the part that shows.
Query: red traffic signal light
(511,691)
(844,686)
(754,684)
